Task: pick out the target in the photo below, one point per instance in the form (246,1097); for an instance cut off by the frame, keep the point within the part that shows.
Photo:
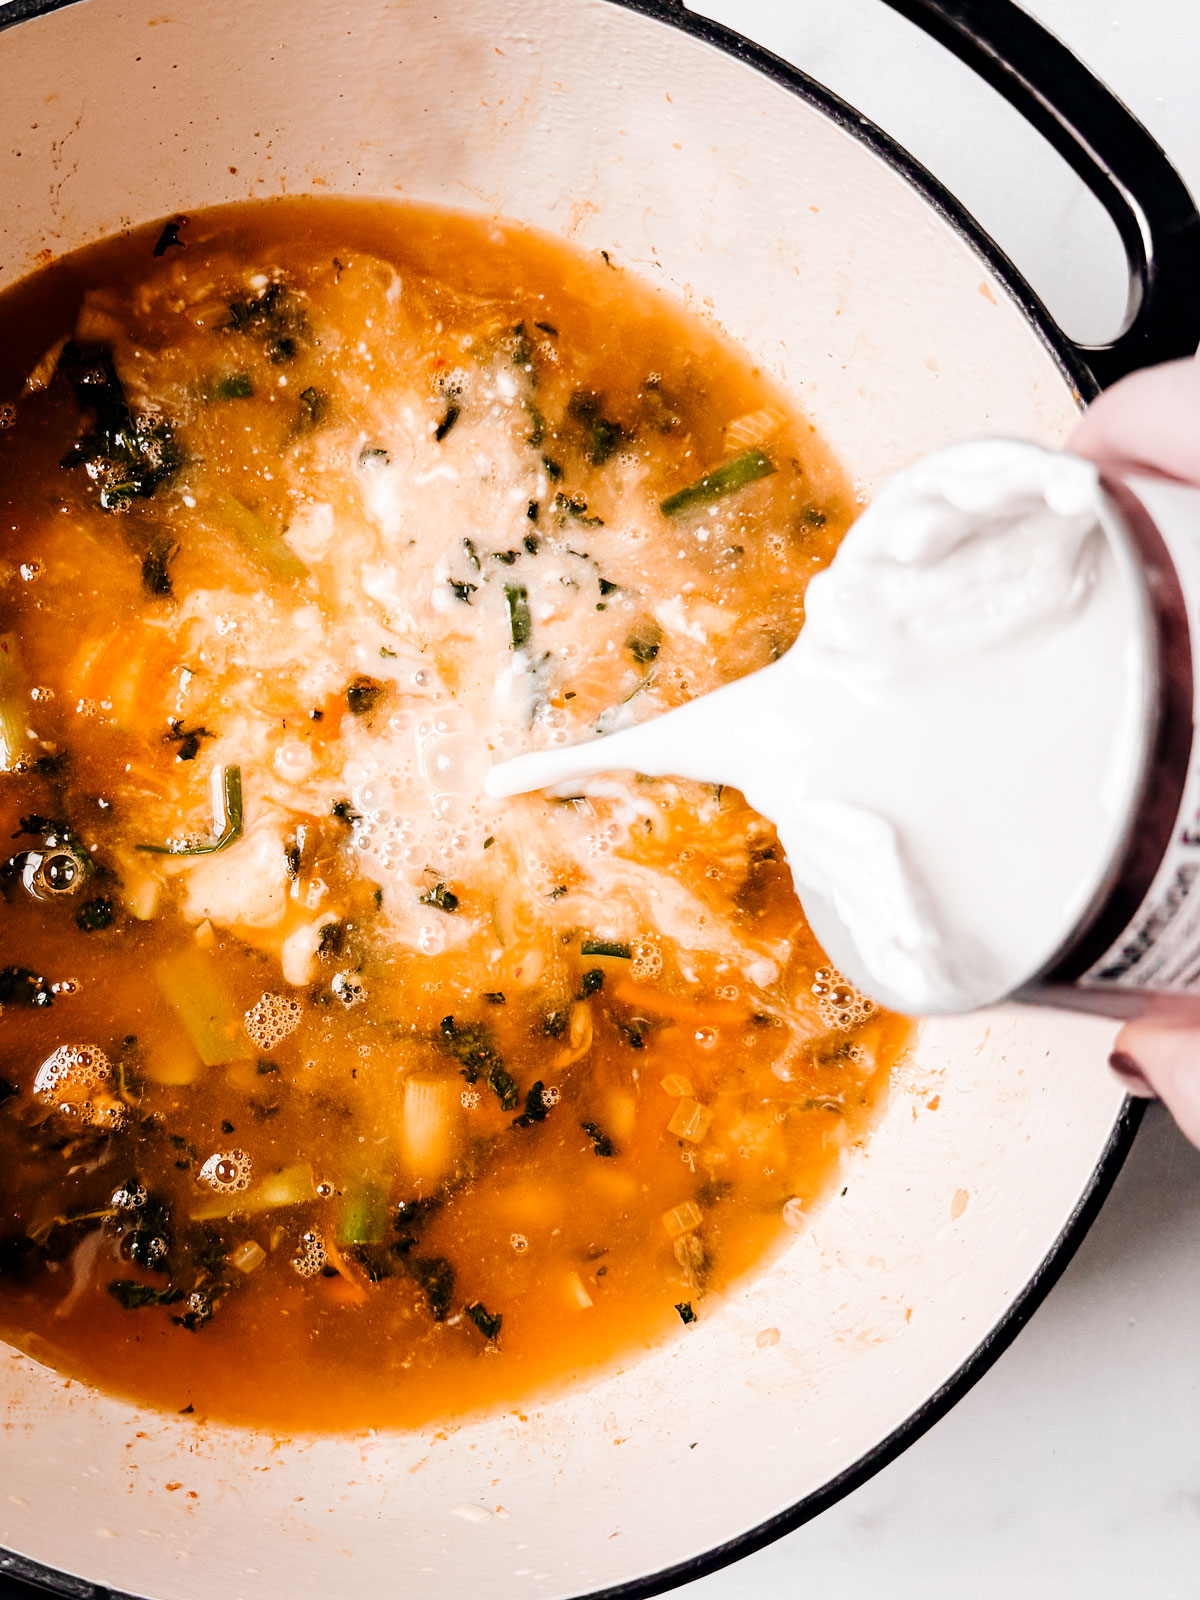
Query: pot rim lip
(1075,373)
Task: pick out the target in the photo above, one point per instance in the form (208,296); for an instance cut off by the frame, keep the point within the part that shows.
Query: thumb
(1162,1058)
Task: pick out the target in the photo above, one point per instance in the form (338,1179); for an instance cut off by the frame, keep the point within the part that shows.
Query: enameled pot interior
(691,169)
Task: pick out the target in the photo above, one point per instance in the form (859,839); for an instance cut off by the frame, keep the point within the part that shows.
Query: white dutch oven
(708,167)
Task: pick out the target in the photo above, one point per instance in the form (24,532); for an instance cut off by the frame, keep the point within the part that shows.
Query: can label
(1159,949)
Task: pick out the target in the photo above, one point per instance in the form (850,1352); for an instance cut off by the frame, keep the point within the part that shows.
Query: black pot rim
(1054,1263)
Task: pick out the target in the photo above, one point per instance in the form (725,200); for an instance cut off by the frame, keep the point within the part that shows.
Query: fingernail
(1130,1074)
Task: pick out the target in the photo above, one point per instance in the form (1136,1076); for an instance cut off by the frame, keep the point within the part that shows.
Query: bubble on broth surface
(269,1021)
(228,1171)
(838,1002)
(310,1257)
(647,959)
(73,1069)
(76,1080)
(349,989)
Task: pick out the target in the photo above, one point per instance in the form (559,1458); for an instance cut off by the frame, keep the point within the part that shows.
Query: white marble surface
(1073,1467)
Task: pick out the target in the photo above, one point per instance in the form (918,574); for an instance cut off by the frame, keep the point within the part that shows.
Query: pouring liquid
(953,743)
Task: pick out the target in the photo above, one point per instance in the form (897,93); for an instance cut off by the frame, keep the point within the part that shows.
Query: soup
(335,1096)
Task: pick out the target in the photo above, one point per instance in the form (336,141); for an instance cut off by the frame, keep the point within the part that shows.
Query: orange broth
(399,1102)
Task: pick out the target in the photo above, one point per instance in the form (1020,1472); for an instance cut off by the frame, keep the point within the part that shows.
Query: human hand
(1152,420)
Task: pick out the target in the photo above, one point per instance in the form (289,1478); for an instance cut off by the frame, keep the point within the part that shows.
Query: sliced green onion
(261,541)
(734,475)
(364,1216)
(227,819)
(291,1187)
(605,947)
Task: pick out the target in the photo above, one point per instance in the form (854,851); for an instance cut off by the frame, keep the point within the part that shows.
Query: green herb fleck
(522,348)
(363,695)
(602,1145)
(644,645)
(488,1325)
(471,1046)
(591,982)
(344,812)
(634,1030)
(96,914)
(169,238)
(601,436)
(554,1023)
(127,454)
(272,317)
(462,591)
(536,1109)
(314,403)
(21,987)
(133,1295)
(188,739)
(441,898)
(576,507)
(199,1311)
(520,626)
(686,1314)
(155,563)
(237,386)
(449,417)
(436,1277)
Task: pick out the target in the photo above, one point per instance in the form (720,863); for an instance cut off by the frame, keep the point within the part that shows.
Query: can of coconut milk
(1141,935)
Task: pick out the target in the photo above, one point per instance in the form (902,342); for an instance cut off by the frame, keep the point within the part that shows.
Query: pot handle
(1106,145)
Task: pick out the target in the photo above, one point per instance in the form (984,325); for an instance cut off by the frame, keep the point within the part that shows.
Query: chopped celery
(291,1187)
(13,735)
(261,541)
(194,989)
(364,1216)
(714,485)
(227,819)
